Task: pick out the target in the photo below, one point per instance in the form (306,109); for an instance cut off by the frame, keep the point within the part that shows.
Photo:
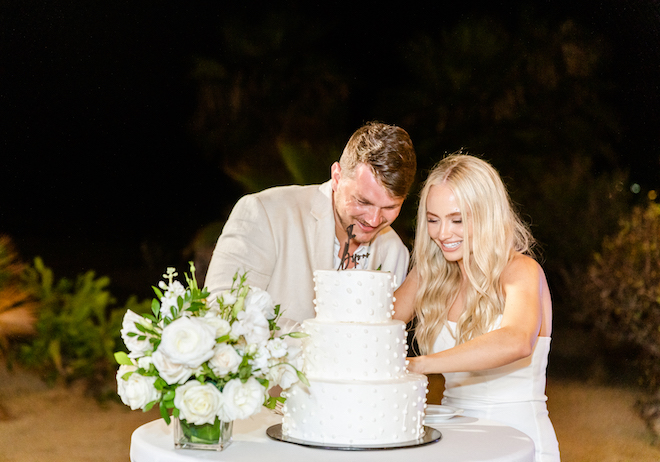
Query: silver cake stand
(431,435)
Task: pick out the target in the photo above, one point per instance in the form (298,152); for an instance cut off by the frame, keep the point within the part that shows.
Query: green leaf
(155,307)
(296,335)
(157,291)
(164,414)
(271,402)
(148,407)
(123,359)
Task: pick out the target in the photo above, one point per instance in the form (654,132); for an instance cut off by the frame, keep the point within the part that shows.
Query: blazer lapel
(322,228)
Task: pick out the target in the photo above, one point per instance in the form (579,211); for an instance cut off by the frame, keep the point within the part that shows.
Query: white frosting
(360,392)
(354,351)
(356,412)
(354,295)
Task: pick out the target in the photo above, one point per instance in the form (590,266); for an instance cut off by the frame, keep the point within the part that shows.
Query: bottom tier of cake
(356,412)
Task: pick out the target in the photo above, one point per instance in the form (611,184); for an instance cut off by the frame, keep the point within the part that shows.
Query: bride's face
(445,221)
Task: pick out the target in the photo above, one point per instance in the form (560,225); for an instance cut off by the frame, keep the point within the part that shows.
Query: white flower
(198,403)
(188,341)
(137,391)
(253,325)
(227,298)
(260,360)
(241,400)
(225,360)
(283,375)
(170,297)
(170,371)
(135,347)
(145,362)
(260,300)
(277,347)
(221,326)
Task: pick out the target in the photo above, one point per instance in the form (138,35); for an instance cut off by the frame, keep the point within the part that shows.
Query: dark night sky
(94,98)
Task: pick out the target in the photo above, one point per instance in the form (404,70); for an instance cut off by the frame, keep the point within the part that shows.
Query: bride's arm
(523,281)
(404,309)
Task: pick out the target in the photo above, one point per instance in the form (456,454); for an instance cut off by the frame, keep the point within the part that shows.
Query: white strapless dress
(513,394)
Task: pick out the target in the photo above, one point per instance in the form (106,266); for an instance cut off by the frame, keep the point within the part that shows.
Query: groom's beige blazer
(280,236)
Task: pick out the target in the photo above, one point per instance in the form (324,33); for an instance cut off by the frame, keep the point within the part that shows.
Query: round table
(463,439)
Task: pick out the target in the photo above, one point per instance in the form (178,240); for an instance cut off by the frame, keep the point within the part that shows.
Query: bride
(483,307)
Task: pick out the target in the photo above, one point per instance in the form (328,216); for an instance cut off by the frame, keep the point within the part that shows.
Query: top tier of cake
(354,295)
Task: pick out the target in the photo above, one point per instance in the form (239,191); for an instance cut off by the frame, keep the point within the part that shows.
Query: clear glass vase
(212,437)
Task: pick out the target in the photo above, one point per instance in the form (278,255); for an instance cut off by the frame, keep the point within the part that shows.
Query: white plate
(437,413)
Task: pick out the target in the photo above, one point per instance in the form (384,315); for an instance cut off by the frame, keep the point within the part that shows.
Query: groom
(281,235)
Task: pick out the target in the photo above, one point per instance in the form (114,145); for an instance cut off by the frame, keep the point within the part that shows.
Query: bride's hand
(415,364)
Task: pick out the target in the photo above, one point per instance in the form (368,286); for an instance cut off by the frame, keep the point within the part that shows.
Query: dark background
(99,167)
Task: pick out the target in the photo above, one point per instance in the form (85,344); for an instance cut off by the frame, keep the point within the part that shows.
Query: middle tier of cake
(354,351)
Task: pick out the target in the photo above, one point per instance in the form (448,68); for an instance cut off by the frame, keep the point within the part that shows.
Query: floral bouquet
(207,363)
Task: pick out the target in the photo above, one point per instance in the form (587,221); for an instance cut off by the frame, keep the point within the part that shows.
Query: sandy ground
(593,423)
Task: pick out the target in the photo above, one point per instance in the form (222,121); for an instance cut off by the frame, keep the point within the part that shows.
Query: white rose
(225,360)
(137,391)
(221,326)
(198,403)
(283,375)
(188,341)
(253,325)
(170,371)
(135,347)
(260,300)
(241,400)
(277,347)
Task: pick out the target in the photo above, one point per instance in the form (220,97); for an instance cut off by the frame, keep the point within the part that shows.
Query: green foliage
(623,288)
(78,325)
(622,299)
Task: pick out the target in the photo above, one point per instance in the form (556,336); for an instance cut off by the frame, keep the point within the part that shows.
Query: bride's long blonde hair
(492,232)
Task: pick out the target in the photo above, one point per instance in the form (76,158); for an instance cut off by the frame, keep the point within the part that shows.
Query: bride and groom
(481,301)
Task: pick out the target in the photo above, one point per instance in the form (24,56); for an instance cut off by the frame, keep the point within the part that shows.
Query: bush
(77,330)
(623,288)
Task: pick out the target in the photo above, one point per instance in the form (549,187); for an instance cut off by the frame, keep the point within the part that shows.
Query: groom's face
(360,200)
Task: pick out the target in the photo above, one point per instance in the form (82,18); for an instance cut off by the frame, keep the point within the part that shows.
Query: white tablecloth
(463,439)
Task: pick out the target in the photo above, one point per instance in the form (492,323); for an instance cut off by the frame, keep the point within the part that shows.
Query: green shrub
(77,329)
(623,295)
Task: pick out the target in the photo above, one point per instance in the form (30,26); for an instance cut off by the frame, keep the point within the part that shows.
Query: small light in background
(635,188)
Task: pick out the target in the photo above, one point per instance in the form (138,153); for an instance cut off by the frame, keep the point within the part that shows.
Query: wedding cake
(360,392)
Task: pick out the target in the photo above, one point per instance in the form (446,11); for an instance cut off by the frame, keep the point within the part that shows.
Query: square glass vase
(210,437)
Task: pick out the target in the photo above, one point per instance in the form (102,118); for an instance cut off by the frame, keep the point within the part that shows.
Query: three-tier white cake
(360,392)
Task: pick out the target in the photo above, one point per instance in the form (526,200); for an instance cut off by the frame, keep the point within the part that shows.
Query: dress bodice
(522,380)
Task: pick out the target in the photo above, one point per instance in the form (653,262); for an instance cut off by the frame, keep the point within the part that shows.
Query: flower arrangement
(206,361)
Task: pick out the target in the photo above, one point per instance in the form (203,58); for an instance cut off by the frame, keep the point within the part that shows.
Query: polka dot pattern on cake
(355,360)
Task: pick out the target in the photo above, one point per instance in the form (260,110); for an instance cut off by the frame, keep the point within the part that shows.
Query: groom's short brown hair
(388,150)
